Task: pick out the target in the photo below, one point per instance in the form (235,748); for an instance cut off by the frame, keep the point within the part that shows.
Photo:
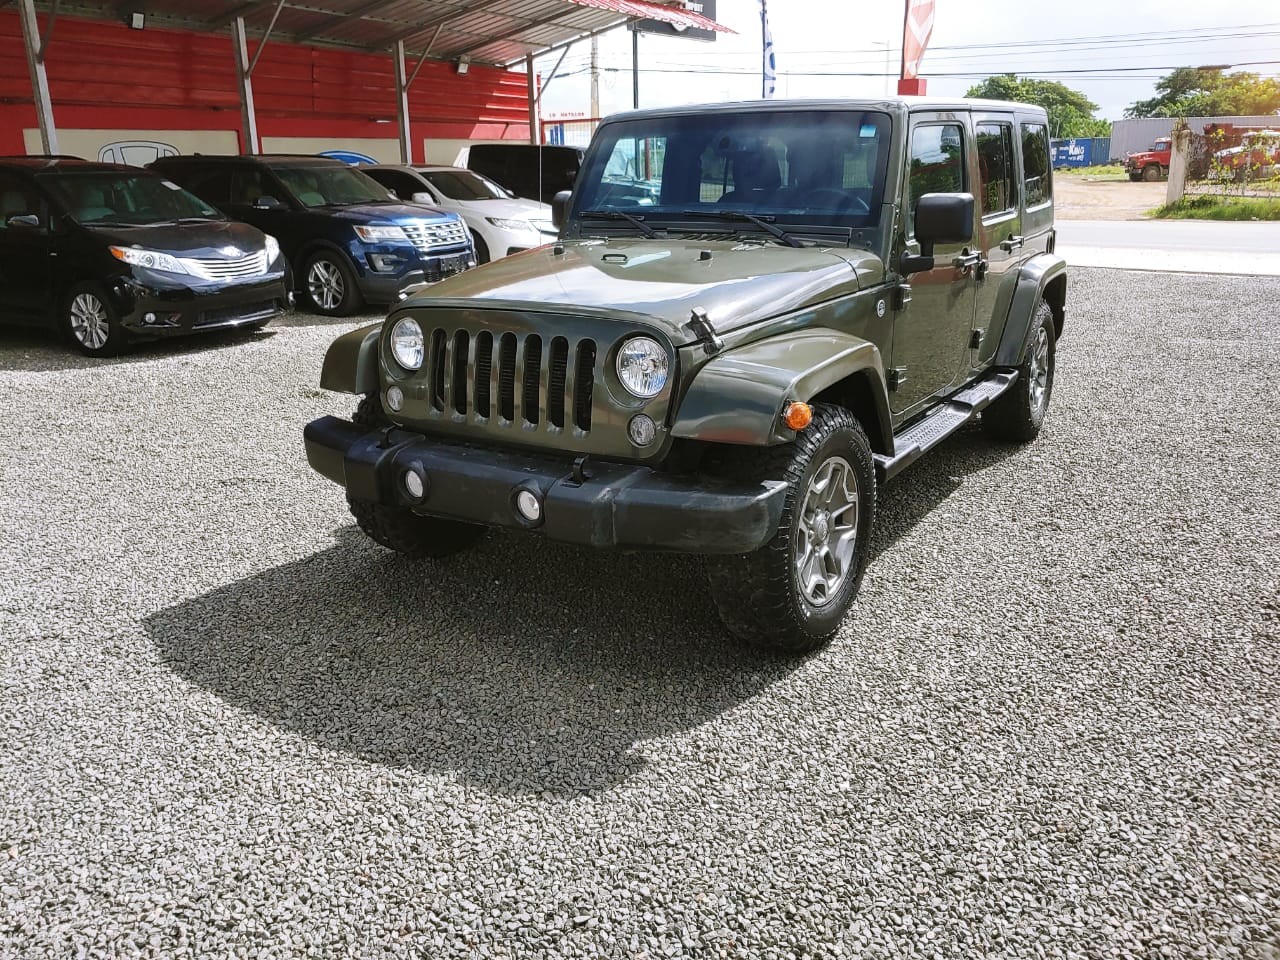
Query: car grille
(237,268)
(432,234)
(516,380)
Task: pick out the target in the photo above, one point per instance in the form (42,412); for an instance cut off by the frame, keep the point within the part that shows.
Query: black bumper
(615,505)
(148,311)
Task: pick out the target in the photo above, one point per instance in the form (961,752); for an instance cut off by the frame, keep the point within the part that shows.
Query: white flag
(768,68)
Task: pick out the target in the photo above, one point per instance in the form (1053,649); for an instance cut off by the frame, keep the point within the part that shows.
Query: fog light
(413,484)
(642,430)
(395,398)
(528,506)
(148,318)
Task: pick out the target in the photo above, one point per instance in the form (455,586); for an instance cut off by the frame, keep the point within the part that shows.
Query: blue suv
(348,241)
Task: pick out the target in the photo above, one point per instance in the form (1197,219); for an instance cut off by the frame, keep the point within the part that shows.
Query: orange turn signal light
(797,415)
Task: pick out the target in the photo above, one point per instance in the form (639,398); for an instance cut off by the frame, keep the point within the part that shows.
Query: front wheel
(1151,173)
(792,594)
(91,324)
(330,284)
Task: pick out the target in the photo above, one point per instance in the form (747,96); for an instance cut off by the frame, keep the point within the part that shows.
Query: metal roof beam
(337,20)
(480,7)
(229,16)
(550,21)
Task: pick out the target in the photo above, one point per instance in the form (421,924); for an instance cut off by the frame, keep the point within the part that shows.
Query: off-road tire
(1015,416)
(757,594)
(1151,173)
(351,298)
(397,528)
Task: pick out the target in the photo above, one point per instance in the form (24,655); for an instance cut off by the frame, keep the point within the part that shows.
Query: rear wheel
(1018,414)
(91,324)
(397,528)
(792,594)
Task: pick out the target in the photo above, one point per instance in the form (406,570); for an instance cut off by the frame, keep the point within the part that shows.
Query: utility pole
(595,77)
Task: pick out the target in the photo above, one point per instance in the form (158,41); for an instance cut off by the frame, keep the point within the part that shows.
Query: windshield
(134,199)
(793,166)
(326,186)
(464,185)
(1159,145)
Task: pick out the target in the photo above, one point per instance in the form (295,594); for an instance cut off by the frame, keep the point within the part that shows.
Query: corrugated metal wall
(1130,136)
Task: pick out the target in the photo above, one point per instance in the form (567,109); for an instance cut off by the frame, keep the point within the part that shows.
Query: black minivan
(109,253)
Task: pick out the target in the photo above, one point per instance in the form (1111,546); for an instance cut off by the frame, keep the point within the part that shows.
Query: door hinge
(975,339)
(902,296)
(897,376)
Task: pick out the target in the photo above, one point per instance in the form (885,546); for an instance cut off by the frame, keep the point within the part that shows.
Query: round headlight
(406,343)
(642,366)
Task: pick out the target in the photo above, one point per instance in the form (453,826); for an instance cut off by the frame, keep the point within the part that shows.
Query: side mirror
(269,203)
(510,193)
(28,220)
(560,207)
(392,195)
(939,218)
(423,197)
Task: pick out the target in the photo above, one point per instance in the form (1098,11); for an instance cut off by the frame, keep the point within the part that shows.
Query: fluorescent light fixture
(137,20)
(464,64)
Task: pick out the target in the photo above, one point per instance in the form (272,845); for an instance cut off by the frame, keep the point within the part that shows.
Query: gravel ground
(232,727)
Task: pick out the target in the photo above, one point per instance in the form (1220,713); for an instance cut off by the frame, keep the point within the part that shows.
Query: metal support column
(35,46)
(635,68)
(244,77)
(534,132)
(402,105)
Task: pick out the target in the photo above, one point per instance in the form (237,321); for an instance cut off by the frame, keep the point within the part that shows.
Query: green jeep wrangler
(727,352)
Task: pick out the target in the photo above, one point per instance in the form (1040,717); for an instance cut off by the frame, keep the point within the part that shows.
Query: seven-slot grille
(237,268)
(511,379)
(430,234)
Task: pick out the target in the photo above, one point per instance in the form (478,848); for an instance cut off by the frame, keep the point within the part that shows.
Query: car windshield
(331,186)
(789,167)
(464,185)
(134,199)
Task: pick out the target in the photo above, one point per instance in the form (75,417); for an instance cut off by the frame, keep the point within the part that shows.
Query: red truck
(1152,163)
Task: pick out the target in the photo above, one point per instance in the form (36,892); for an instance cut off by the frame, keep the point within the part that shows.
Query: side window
(248,184)
(995,165)
(212,187)
(405,186)
(19,199)
(937,164)
(1035,164)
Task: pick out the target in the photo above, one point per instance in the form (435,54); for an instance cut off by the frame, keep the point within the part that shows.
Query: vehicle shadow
(521,667)
(26,349)
(300,318)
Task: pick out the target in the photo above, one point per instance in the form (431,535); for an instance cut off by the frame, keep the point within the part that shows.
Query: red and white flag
(915,36)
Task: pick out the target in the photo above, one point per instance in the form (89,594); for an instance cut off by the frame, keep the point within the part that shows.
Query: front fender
(738,397)
(351,362)
(1044,276)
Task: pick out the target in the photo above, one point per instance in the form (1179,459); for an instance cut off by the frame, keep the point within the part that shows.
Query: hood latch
(700,324)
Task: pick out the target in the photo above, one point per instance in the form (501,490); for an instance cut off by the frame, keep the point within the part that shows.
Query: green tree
(1208,92)
(1070,111)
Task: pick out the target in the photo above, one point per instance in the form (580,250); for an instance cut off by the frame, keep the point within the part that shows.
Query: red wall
(107,76)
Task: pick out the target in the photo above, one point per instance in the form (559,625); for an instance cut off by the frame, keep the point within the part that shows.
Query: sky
(830,40)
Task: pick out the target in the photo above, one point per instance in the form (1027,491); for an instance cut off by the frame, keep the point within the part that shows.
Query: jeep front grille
(511,380)
(433,234)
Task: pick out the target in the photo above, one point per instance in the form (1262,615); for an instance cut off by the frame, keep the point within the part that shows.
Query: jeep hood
(661,281)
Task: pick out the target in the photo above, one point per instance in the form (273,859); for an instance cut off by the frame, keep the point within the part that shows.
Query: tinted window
(937,163)
(211,185)
(404,185)
(996,167)
(464,185)
(124,198)
(797,166)
(1037,184)
(18,199)
(338,186)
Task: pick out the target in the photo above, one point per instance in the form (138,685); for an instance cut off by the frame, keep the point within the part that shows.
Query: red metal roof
(650,10)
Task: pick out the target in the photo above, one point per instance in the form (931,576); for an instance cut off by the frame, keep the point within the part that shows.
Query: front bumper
(152,310)
(416,269)
(613,505)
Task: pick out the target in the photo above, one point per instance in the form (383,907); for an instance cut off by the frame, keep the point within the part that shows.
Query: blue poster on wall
(1072,153)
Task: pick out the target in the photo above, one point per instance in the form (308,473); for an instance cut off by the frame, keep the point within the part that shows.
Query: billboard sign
(660,27)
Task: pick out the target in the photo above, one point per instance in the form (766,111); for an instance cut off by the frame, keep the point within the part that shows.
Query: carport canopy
(498,33)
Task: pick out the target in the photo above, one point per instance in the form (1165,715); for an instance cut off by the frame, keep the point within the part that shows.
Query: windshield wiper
(760,222)
(615,214)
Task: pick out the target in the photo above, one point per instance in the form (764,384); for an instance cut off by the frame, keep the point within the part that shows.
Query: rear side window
(996,168)
(1035,164)
(19,199)
(937,164)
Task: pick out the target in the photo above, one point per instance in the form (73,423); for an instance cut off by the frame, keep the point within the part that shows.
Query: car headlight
(642,366)
(501,224)
(151,259)
(377,234)
(273,249)
(406,343)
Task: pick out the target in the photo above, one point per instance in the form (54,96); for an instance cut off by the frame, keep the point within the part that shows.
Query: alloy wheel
(1038,374)
(89,322)
(325,284)
(828,532)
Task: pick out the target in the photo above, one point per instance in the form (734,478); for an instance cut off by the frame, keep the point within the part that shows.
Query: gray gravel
(232,727)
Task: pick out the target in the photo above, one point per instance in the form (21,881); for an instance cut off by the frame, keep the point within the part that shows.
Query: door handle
(1013,243)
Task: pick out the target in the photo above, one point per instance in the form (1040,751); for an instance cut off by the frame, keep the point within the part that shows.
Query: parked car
(500,224)
(533,171)
(1255,158)
(348,241)
(109,253)
(825,292)
(1152,163)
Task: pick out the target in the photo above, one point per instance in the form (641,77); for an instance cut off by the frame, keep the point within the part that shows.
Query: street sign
(705,7)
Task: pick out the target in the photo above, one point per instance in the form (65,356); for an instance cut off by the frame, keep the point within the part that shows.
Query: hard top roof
(269,159)
(884,104)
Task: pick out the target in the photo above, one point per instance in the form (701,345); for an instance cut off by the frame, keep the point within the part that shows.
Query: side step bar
(950,416)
